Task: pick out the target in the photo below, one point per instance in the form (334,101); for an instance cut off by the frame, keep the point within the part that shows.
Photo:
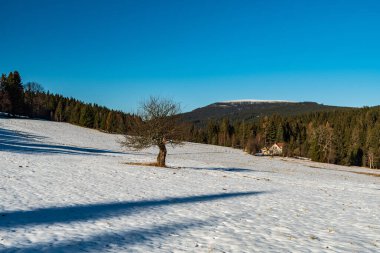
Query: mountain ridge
(254,101)
(250,109)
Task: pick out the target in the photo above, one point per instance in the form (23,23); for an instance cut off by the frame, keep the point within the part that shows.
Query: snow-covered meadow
(68,189)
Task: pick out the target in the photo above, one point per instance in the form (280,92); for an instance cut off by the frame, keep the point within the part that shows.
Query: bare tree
(324,135)
(32,90)
(158,125)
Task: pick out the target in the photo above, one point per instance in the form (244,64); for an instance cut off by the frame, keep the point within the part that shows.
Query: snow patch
(255,101)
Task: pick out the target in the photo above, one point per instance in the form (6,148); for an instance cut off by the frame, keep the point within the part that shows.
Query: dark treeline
(345,137)
(32,101)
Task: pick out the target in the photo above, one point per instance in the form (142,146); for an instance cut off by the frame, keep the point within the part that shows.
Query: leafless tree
(32,89)
(324,135)
(158,125)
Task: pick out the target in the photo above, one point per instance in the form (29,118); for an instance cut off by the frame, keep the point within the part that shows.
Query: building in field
(276,149)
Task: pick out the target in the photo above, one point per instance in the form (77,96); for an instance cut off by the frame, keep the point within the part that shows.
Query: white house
(276,149)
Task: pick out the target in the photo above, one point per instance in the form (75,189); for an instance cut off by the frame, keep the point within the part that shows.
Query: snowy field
(67,189)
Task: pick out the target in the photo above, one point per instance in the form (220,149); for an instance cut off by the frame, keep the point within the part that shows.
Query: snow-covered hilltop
(254,101)
(243,109)
(67,189)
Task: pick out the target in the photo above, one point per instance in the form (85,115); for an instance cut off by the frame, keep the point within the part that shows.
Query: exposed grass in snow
(69,189)
(368,174)
(153,164)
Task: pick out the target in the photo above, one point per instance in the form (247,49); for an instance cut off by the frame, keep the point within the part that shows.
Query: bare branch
(158,124)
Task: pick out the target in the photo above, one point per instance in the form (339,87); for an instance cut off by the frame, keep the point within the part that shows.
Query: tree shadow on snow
(197,153)
(222,169)
(67,214)
(101,242)
(112,241)
(25,143)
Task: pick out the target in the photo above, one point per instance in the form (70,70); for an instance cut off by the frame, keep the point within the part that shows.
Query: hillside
(64,188)
(251,109)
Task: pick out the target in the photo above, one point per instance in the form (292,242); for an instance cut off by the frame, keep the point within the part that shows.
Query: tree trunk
(161,156)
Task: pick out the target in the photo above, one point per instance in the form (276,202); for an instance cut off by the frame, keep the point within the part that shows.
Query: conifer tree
(58,115)
(86,118)
(14,90)
(5,103)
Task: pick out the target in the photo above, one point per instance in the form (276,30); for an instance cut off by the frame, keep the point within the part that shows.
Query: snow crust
(67,189)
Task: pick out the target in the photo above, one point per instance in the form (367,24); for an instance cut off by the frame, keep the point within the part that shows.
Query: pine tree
(5,103)
(15,92)
(271,134)
(58,115)
(97,120)
(75,113)
(86,117)
(110,122)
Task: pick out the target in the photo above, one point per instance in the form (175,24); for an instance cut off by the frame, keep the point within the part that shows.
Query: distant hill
(252,109)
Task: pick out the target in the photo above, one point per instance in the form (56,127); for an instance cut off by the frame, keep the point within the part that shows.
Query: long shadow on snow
(198,153)
(222,169)
(78,213)
(104,241)
(20,142)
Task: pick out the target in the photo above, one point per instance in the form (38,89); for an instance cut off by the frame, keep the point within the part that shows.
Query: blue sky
(117,53)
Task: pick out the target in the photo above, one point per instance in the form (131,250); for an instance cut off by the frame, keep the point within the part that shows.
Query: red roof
(280,144)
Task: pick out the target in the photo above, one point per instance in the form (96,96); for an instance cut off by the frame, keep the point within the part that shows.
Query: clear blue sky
(116,53)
